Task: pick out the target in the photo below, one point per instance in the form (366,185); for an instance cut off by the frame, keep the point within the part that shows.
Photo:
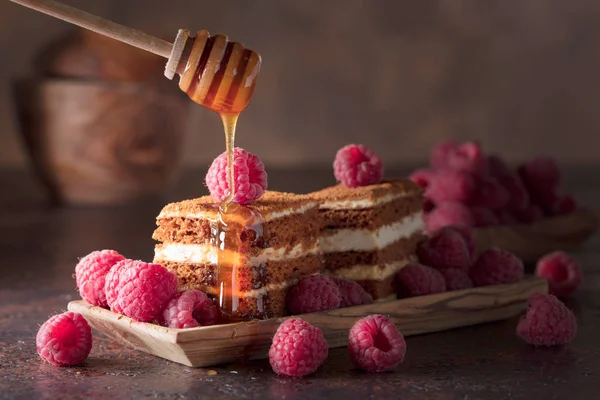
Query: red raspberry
(456,279)
(352,294)
(418,280)
(445,214)
(562,272)
(139,290)
(467,157)
(496,167)
(469,237)
(356,165)
(495,267)
(529,215)
(448,185)
(445,249)
(188,309)
(428,205)
(548,322)
(375,344)
(541,175)
(298,348)
(313,293)
(90,274)
(518,196)
(566,205)
(489,193)
(438,157)
(483,216)
(112,281)
(65,339)
(422,177)
(249,176)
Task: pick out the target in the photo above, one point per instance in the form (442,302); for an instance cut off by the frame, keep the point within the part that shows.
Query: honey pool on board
(221,76)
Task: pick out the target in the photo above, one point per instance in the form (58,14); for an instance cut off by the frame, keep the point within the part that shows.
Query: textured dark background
(521,76)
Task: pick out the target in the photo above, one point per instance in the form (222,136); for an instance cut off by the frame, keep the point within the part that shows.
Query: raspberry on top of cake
(277,243)
(369,232)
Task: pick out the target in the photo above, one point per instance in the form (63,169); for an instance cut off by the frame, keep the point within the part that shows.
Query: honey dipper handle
(100,25)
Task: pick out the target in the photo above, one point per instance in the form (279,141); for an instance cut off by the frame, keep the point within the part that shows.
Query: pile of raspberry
(465,186)
(448,262)
(144,292)
(323,293)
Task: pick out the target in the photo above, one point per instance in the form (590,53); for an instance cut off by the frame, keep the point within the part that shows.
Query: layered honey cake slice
(368,233)
(246,259)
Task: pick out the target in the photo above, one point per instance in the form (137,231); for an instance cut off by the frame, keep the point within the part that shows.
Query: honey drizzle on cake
(221,76)
(235,232)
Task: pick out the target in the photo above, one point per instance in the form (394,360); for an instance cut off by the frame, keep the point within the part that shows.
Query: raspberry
(438,157)
(467,157)
(548,322)
(489,193)
(313,293)
(139,290)
(375,344)
(65,339)
(188,309)
(469,237)
(111,281)
(450,213)
(448,185)
(562,272)
(418,280)
(483,216)
(541,175)
(90,274)
(445,249)
(298,348)
(356,165)
(529,215)
(249,176)
(428,205)
(422,177)
(495,267)
(518,196)
(352,294)
(456,279)
(566,205)
(496,167)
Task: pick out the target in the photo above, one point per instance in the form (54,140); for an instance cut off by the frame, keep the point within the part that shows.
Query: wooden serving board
(220,344)
(531,242)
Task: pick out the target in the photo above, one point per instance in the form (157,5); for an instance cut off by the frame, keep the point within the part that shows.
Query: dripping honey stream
(221,76)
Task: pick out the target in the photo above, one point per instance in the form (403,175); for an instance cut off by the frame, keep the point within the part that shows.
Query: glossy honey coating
(220,75)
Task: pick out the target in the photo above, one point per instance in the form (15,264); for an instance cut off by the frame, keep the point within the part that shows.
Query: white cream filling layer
(212,215)
(252,293)
(208,254)
(367,240)
(360,204)
(370,272)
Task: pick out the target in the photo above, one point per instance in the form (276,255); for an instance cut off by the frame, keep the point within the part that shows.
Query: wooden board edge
(485,297)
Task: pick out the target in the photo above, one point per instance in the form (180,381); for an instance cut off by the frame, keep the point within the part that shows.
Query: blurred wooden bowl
(84,54)
(99,142)
(531,242)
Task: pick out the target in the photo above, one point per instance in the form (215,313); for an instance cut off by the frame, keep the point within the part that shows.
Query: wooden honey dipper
(214,72)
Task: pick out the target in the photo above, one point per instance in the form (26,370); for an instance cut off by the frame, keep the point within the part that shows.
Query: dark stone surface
(38,251)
